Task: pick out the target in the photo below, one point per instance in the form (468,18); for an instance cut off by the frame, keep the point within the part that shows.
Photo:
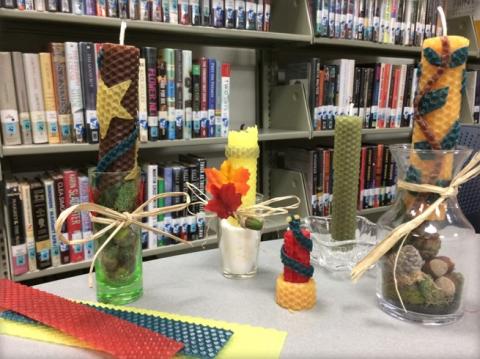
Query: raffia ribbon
(471,170)
(115,221)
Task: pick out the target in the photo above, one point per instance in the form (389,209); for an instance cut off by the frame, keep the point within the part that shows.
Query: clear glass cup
(438,258)
(118,268)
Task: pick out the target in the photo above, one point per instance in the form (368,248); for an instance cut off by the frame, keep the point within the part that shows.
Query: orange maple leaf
(227,174)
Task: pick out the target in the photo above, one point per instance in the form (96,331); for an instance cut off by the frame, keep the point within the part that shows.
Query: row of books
(382,94)
(33,204)
(50,97)
(400,22)
(232,14)
(472,91)
(376,183)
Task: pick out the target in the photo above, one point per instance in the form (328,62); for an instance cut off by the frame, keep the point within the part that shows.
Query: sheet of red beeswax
(103,331)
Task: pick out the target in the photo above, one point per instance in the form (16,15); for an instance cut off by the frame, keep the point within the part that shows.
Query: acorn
(446,285)
(438,266)
(409,260)
(428,244)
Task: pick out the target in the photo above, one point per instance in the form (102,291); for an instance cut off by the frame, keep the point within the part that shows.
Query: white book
(31,65)
(75,89)
(225,100)
(142,102)
(22,99)
(406,19)
(8,103)
(48,184)
(28,225)
(401,92)
(39,5)
(151,170)
(173,11)
(187,93)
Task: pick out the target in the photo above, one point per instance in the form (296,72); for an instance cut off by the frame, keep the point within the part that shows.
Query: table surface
(345,323)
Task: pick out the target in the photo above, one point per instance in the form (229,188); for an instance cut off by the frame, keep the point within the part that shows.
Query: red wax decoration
(294,250)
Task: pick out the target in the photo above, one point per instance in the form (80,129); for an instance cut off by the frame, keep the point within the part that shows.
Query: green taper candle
(346,168)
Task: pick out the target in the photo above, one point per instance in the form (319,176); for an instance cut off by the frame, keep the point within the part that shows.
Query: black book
(162,99)
(9,4)
(89,86)
(196,100)
(201,164)
(177,178)
(357,81)
(205,12)
(178,94)
(40,226)
(185,177)
(368,178)
(150,56)
(369,92)
(399,32)
(15,225)
(406,110)
(193,178)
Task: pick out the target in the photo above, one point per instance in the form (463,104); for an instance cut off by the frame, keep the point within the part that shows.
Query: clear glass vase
(239,250)
(436,261)
(118,268)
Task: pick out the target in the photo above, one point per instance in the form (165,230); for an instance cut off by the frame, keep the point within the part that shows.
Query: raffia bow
(471,170)
(115,221)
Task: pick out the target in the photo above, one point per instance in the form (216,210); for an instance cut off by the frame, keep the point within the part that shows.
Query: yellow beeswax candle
(242,150)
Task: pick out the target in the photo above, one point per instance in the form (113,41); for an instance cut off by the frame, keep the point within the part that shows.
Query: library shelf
(210,240)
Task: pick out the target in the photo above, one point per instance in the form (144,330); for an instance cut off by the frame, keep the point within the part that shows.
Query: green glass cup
(118,267)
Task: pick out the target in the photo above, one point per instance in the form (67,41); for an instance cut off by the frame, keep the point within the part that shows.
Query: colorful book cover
(157,10)
(196,113)
(89,87)
(184,12)
(218,99)
(204,118)
(144,10)
(211,88)
(27,216)
(101,8)
(225,100)
(60,207)
(112,8)
(169,58)
(49,97)
(74,223)
(260,15)
(173,11)
(205,7)
(179,110)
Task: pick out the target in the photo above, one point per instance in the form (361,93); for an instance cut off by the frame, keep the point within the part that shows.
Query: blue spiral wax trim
(116,152)
(200,341)
(295,265)
(301,239)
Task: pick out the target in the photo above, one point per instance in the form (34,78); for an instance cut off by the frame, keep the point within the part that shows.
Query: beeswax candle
(242,150)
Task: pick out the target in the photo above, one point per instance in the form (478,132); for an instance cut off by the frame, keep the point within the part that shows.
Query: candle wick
(123,28)
(443,20)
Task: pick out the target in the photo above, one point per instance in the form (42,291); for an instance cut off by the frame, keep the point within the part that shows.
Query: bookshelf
(281,112)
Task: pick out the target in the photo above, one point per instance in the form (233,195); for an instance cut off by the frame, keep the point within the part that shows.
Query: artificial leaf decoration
(227,174)
(459,57)
(431,56)
(225,200)
(433,100)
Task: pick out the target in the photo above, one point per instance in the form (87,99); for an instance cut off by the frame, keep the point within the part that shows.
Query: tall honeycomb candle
(346,168)
(242,150)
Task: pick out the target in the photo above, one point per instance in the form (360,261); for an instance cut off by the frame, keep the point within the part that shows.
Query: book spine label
(225,114)
(75,90)
(195,13)
(52,216)
(184,12)
(201,225)
(230,14)
(88,247)
(187,93)
(89,82)
(204,120)
(18,246)
(179,115)
(196,100)
(60,207)
(205,6)
(162,99)
(240,14)
(74,224)
(28,226)
(212,69)
(10,127)
(40,225)
(251,15)
(142,102)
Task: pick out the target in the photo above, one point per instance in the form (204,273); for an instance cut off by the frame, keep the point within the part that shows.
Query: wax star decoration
(109,104)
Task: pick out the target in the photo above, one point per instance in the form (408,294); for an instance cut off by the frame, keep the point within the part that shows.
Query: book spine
(476,103)
(8,103)
(196,114)
(420,24)
(195,12)
(28,5)
(144,10)
(218,99)
(101,8)
(157,10)
(31,63)
(87,230)
(28,225)
(217,13)
(167,177)
(212,69)
(39,5)
(74,223)
(202,179)
(151,183)
(162,99)
(112,8)
(267,15)
(401,92)
(173,11)
(169,56)
(142,102)
(260,15)
(225,114)
(150,56)
(160,201)
(379,68)
(78,7)
(229,14)
(89,86)
(49,97)
(331,18)
(22,99)
(61,91)
(165,11)
(349,19)
(187,93)
(204,119)
(8,4)
(60,207)
(240,14)
(75,90)
(183,188)
(251,14)
(183,12)
(18,247)
(49,189)
(205,8)
(179,111)
(123,9)
(40,226)
(134,9)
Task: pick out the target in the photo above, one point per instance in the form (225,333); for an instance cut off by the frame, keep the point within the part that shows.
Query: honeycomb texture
(346,167)
(295,296)
(103,332)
